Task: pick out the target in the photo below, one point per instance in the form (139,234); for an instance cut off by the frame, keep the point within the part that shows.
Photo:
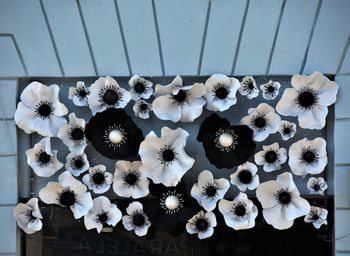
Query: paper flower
(270,90)
(142,108)
(79,94)
(317,216)
(28,216)
(77,164)
(317,185)
(98,179)
(308,99)
(202,224)
(136,219)
(245,177)
(271,157)
(248,87)
(287,129)
(140,88)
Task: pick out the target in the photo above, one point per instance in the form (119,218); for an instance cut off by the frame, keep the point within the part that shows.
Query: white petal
(127,222)
(266,193)
(49,193)
(327,94)
(191,229)
(25,118)
(164,108)
(286,182)
(114,215)
(314,118)
(207,233)
(67,180)
(276,217)
(91,223)
(133,207)
(82,205)
(287,104)
(141,231)
(297,208)
(192,109)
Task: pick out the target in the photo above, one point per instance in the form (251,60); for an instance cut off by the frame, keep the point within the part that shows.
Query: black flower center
(44,110)
(240,210)
(309,156)
(168,155)
(138,220)
(139,88)
(98,178)
(143,107)
(110,97)
(211,191)
(221,93)
(131,179)
(44,158)
(284,197)
(202,224)
(306,99)
(67,198)
(82,93)
(271,89)
(78,163)
(180,96)
(77,134)
(245,176)
(287,130)
(103,218)
(315,217)
(317,187)
(260,122)
(250,85)
(270,157)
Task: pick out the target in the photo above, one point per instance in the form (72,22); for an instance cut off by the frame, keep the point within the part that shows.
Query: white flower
(208,191)
(308,99)
(79,94)
(136,219)
(164,159)
(317,185)
(68,192)
(42,159)
(40,110)
(221,92)
(28,216)
(317,216)
(246,177)
(142,108)
(105,93)
(271,157)
(281,201)
(287,129)
(240,213)
(308,156)
(129,181)
(72,134)
(270,90)
(178,102)
(140,88)
(77,164)
(203,224)
(98,179)
(102,213)
(263,120)
(248,87)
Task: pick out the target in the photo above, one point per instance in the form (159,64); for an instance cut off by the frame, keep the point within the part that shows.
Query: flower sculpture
(28,216)
(246,177)
(317,185)
(248,87)
(136,219)
(142,109)
(317,216)
(79,94)
(270,90)
(287,129)
(202,224)
(140,88)
(98,179)
(271,157)
(77,164)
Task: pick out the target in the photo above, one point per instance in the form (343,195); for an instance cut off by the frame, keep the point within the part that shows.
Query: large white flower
(287,129)
(221,92)
(140,88)
(68,192)
(308,156)
(178,102)
(40,110)
(263,120)
(164,159)
(317,216)
(129,181)
(308,99)
(136,219)
(98,179)
(208,191)
(240,213)
(79,94)
(102,213)
(105,93)
(246,177)
(281,201)
(142,108)
(271,157)
(28,216)
(202,224)
(248,87)
(42,159)
(270,90)
(317,185)
(77,164)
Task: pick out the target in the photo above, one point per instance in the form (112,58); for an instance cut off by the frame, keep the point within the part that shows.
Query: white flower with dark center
(317,216)
(79,94)
(72,134)
(28,216)
(164,159)
(129,181)
(240,213)
(102,213)
(40,110)
(171,201)
(178,102)
(308,156)
(140,88)
(271,157)
(105,93)
(142,108)
(317,185)
(68,192)
(98,179)
(281,201)
(287,129)
(208,191)
(308,99)
(263,120)
(202,224)
(77,164)
(248,87)
(136,219)
(246,177)
(270,90)
(42,159)
(221,92)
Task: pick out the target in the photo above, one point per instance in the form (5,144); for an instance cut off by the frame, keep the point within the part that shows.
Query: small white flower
(271,157)
(77,164)
(98,179)
(317,185)
(136,219)
(287,129)
(42,159)
(105,93)
(317,216)
(140,88)
(68,192)
(102,213)
(129,181)
(248,87)
(208,191)
(221,92)
(28,216)
(79,94)
(246,177)
(308,156)
(203,224)
(263,120)
(142,108)
(270,90)
(240,213)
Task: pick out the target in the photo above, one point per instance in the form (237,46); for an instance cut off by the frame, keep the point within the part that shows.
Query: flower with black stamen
(317,216)
(79,94)
(317,185)
(202,224)
(140,88)
(270,90)
(248,87)
(98,179)
(287,129)
(245,177)
(136,219)
(271,157)
(77,164)
(142,109)
(28,216)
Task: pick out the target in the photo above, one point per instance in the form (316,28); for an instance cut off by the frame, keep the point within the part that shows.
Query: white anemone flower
(79,94)
(142,109)
(140,88)
(136,219)
(164,159)
(42,159)
(308,99)
(202,224)
(28,216)
(317,185)
(98,179)
(317,216)
(270,90)
(208,191)
(308,156)
(240,213)
(102,213)
(77,164)
(40,110)
(106,93)
(68,192)
(246,177)
(281,201)
(248,87)
(287,129)
(271,157)
(263,120)
(129,181)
